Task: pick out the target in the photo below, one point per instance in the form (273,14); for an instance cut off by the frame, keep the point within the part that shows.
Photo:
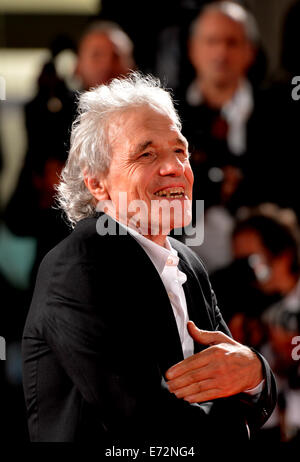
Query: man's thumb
(206,337)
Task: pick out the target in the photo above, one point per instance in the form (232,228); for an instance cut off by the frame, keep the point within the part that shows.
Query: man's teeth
(171,192)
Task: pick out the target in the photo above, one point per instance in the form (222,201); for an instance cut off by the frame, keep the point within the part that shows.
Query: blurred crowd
(243,137)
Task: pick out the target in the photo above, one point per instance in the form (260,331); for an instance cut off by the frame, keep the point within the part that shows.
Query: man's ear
(191,50)
(77,70)
(250,55)
(285,259)
(97,187)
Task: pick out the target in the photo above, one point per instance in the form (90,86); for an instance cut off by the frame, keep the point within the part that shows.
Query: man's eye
(183,152)
(146,154)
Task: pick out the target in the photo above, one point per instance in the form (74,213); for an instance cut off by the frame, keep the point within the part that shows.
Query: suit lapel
(195,301)
(151,312)
(153,309)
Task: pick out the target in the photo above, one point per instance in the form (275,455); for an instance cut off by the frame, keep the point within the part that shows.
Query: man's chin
(222,80)
(159,228)
(181,225)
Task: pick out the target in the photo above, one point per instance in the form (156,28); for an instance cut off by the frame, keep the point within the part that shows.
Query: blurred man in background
(220,101)
(104,52)
(220,115)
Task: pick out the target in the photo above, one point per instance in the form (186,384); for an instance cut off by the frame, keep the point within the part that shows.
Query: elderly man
(110,347)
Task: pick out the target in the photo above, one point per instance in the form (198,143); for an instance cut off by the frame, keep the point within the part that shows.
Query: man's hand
(224,369)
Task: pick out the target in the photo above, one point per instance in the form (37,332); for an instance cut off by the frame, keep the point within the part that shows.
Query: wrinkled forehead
(138,122)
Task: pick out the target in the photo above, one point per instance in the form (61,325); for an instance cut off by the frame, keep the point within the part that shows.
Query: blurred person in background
(220,101)
(282,321)
(265,248)
(219,118)
(263,309)
(282,324)
(277,151)
(48,119)
(104,52)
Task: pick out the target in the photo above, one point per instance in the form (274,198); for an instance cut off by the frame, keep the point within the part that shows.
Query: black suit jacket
(99,337)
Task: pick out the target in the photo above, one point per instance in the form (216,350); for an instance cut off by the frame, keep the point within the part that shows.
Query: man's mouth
(175,193)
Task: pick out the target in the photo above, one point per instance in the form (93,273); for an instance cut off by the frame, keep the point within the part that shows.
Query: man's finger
(203,396)
(195,388)
(207,337)
(192,362)
(190,377)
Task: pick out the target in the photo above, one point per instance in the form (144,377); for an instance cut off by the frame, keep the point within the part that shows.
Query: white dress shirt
(165,259)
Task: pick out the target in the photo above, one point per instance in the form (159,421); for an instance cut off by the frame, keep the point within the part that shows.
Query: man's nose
(221,49)
(171,166)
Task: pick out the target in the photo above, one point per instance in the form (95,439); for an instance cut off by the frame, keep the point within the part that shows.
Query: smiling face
(150,162)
